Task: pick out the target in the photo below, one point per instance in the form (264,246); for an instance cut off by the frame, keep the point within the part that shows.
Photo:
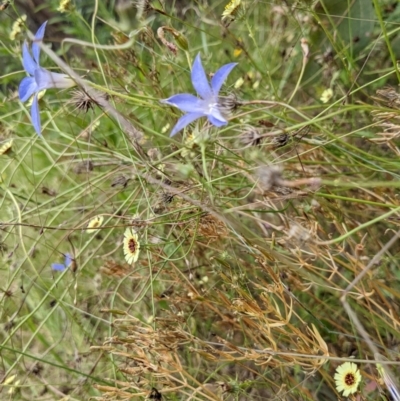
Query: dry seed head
(389,96)
(167,197)
(84,102)
(209,227)
(269,176)
(163,200)
(326,58)
(146,35)
(154,154)
(142,6)
(389,122)
(228,103)
(138,222)
(155,395)
(298,233)
(84,167)
(251,137)
(120,180)
(4,5)
(281,140)
(48,191)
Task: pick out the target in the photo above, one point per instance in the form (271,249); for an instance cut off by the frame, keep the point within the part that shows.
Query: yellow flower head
(39,96)
(65,6)
(231,11)
(231,8)
(131,246)
(94,223)
(16,29)
(347,378)
(6,147)
(327,95)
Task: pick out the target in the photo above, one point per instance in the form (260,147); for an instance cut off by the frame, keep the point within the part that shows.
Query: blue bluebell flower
(62,266)
(390,383)
(39,78)
(208,104)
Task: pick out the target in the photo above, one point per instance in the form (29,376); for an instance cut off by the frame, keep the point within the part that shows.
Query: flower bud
(181,41)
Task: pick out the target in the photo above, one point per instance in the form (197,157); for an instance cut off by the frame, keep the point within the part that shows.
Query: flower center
(132,245)
(349,379)
(213,106)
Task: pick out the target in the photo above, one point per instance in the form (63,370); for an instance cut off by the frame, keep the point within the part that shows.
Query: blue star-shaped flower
(62,266)
(39,78)
(207,105)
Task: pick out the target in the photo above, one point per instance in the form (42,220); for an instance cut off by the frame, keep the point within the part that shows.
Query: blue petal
(184,121)
(219,77)
(27,88)
(68,259)
(218,121)
(46,79)
(27,60)
(58,267)
(199,79)
(35,115)
(215,117)
(187,103)
(38,38)
(394,392)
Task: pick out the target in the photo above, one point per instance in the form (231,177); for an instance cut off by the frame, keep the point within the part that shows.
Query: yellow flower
(189,145)
(347,378)
(237,52)
(231,11)
(17,27)
(94,223)
(238,83)
(65,5)
(131,246)
(39,96)
(6,148)
(231,8)
(327,95)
